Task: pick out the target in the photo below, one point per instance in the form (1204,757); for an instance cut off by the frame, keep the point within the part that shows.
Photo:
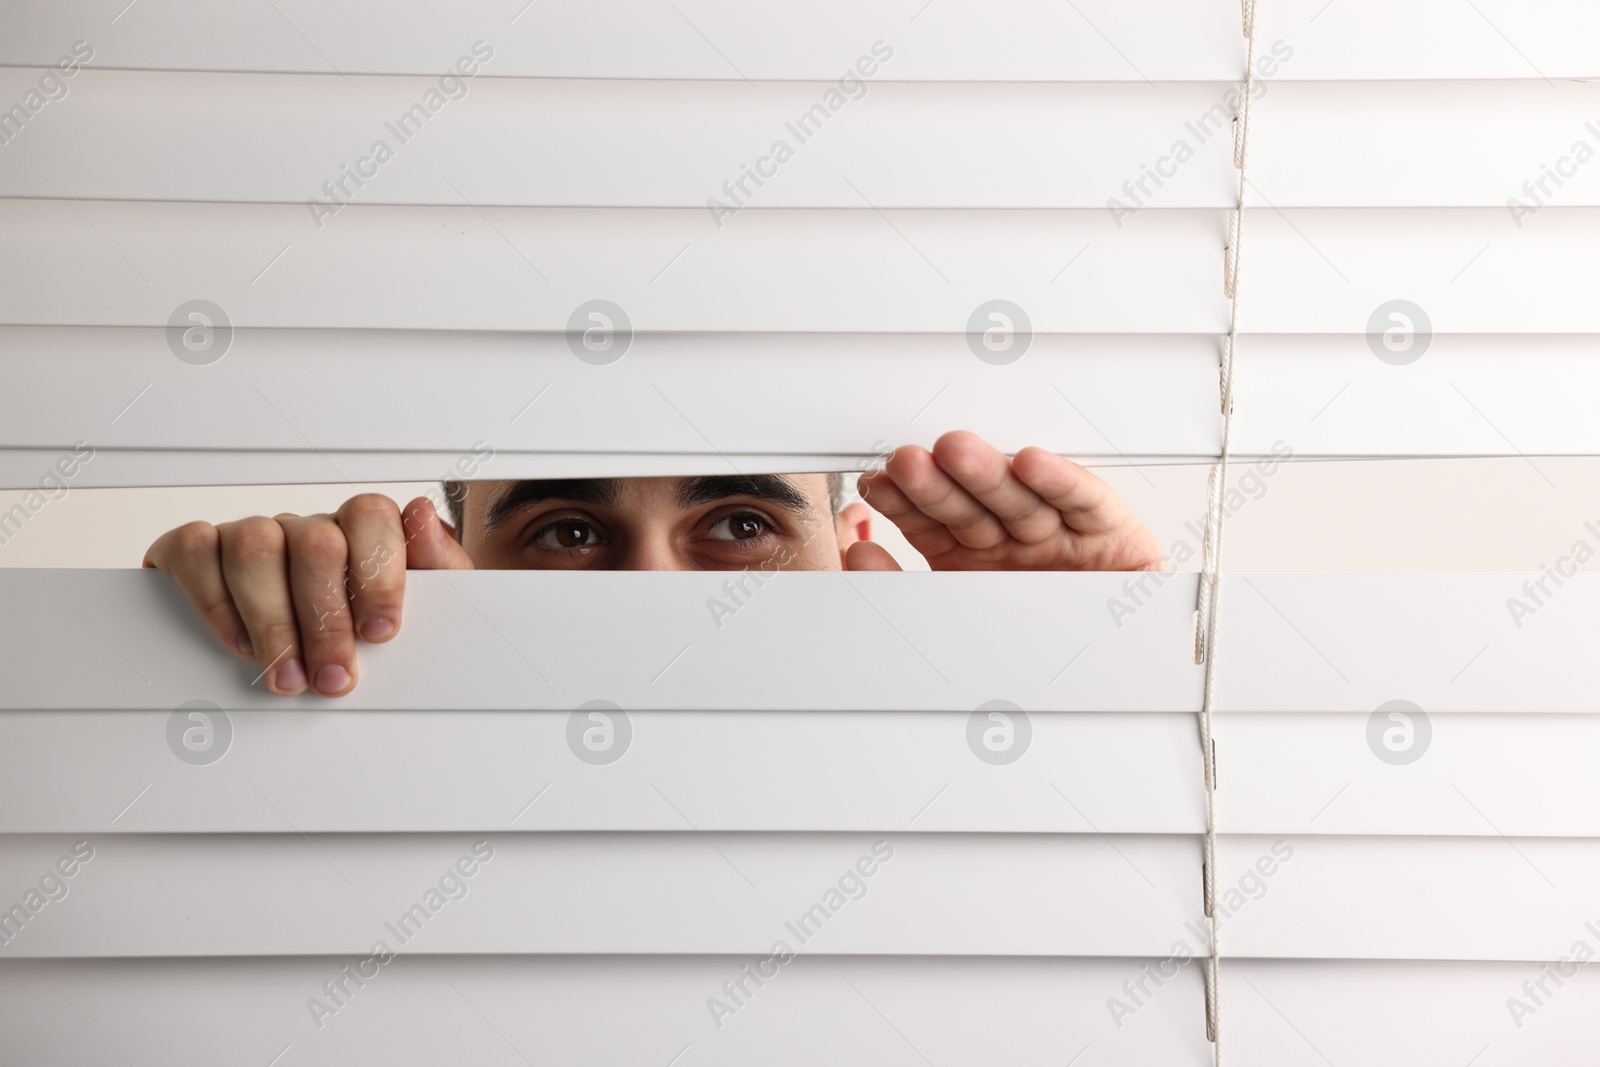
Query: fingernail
(377,629)
(244,646)
(332,679)
(291,677)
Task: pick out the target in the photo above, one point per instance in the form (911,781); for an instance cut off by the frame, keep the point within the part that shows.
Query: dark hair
(455,498)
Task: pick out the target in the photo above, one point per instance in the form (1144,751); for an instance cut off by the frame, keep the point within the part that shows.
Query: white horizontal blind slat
(1422,144)
(669,268)
(1489,39)
(892,642)
(314,141)
(555,143)
(697,893)
(342,771)
(1105,399)
(1093,642)
(823,1008)
(487,394)
(1527,775)
(1433,898)
(683,892)
(1392,1013)
(964,40)
(189,1012)
(1472,270)
(1314,270)
(23,468)
(1445,642)
(1465,395)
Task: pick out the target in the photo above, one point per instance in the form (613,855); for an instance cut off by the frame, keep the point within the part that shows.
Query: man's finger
(940,496)
(985,472)
(255,564)
(318,555)
(926,534)
(377,564)
(869,556)
(1087,503)
(429,544)
(192,555)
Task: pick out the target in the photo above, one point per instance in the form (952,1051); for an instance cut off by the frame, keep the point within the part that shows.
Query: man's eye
(740,526)
(567,533)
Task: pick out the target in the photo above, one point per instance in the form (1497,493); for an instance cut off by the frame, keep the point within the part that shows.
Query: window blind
(1042,910)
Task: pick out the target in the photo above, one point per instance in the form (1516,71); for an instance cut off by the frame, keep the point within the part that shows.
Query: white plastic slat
(851,1011)
(1094,40)
(338,771)
(960,40)
(194,1012)
(1376,39)
(1455,774)
(488,394)
(686,892)
(1471,270)
(1092,642)
(22,468)
(309,140)
(679,400)
(1444,642)
(668,268)
(892,642)
(1459,394)
(1442,898)
(1474,774)
(1392,1013)
(714,893)
(1421,144)
(129,136)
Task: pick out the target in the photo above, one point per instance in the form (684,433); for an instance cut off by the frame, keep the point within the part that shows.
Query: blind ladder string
(1211,552)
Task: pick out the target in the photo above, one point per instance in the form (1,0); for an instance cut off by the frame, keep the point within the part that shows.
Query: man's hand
(294,592)
(966,507)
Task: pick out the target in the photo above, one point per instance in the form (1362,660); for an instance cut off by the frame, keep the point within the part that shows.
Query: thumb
(869,556)
(430,546)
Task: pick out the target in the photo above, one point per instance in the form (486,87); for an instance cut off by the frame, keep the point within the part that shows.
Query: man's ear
(853,523)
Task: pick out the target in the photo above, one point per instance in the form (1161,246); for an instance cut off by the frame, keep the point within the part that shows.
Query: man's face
(725,522)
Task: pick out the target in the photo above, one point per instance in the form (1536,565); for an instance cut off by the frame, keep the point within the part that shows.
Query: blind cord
(1211,550)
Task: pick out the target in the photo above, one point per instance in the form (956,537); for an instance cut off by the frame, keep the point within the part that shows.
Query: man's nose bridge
(652,551)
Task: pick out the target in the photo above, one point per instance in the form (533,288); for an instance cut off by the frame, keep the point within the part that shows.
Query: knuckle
(195,539)
(330,637)
(979,523)
(322,545)
(256,539)
(941,496)
(1028,511)
(369,506)
(274,640)
(379,596)
(219,611)
(382,571)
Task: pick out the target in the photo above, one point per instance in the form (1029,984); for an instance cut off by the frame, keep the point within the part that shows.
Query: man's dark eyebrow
(773,488)
(601,492)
